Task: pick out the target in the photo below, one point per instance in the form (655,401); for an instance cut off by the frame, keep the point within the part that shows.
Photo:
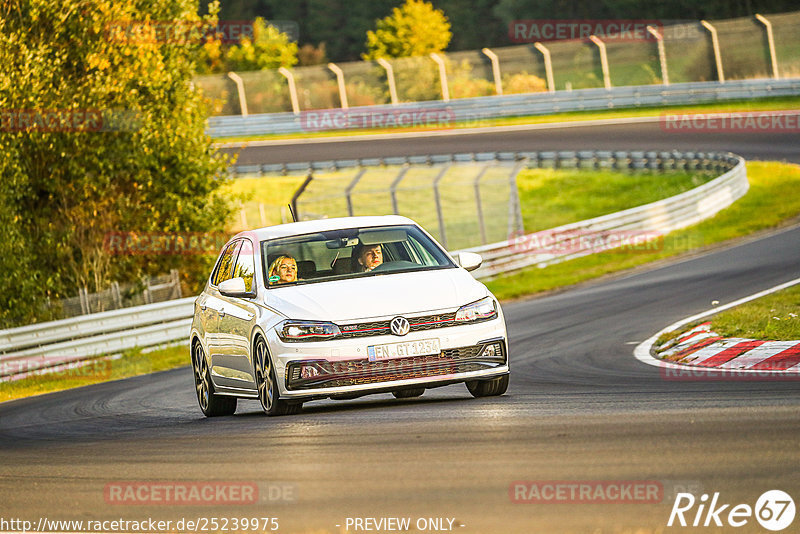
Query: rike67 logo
(774,510)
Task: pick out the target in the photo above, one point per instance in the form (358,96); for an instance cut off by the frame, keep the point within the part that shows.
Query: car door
(214,308)
(237,319)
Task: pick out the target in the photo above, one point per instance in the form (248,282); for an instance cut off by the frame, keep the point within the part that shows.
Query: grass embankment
(773,199)
(764,104)
(773,317)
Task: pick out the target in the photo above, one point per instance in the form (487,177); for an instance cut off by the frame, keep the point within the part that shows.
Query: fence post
(393,188)
(715,45)
(390,78)
(242,216)
(348,191)
(240,88)
(498,82)
(548,66)
(603,60)
(442,76)
(176,281)
(292,89)
(115,293)
(300,192)
(83,296)
(340,80)
(478,206)
(771,43)
(439,214)
(514,207)
(662,55)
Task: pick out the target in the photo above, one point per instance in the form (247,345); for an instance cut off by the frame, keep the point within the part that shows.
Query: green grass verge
(773,317)
(773,199)
(131,363)
(763,104)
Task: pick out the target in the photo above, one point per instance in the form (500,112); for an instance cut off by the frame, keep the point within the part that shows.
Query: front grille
(362,371)
(381,328)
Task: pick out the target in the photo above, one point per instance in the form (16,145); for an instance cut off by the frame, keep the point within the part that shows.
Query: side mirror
(469,260)
(235,287)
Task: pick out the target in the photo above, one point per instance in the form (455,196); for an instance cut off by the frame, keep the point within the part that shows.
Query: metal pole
(393,188)
(390,78)
(340,79)
(299,192)
(715,44)
(771,43)
(478,205)
(548,66)
(514,207)
(442,76)
(292,89)
(498,83)
(662,55)
(603,60)
(350,188)
(240,88)
(439,214)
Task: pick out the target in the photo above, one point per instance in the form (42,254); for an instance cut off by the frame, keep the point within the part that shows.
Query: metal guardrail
(637,226)
(38,346)
(467,110)
(32,348)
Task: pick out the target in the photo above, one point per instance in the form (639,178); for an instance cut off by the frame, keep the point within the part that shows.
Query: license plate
(389,351)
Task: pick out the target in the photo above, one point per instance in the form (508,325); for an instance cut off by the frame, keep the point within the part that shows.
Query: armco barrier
(472,110)
(52,344)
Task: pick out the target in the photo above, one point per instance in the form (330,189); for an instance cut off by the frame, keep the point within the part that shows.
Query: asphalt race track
(579,408)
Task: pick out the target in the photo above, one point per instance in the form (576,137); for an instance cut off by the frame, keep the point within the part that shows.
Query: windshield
(350,253)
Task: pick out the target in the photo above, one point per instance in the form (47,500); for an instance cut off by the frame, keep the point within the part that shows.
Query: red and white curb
(701,348)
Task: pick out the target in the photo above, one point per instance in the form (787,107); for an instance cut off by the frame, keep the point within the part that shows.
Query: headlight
(482,310)
(293,331)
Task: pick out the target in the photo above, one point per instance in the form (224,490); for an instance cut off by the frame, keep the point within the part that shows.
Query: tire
(268,393)
(488,388)
(408,393)
(211,404)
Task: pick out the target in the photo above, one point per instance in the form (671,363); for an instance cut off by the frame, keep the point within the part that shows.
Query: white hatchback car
(339,308)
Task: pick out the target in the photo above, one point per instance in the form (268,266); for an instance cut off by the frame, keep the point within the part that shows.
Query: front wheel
(488,388)
(211,404)
(268,394)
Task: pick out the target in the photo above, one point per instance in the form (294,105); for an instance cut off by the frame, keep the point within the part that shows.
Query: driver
(368,256)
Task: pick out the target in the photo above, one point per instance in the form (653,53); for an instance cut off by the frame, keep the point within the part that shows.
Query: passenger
(283,270)
(368,256)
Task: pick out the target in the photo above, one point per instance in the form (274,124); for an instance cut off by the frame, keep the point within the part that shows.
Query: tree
(269,49)
(414,29)
(102,131)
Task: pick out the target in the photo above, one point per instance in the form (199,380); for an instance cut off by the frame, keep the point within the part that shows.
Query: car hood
(377,296)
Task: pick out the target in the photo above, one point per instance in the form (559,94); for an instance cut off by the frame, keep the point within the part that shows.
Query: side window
(245,264)
(226,262)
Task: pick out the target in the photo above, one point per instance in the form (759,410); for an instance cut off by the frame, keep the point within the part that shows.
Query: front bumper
(468,352)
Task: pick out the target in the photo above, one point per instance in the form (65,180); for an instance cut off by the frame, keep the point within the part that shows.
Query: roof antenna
(291,210)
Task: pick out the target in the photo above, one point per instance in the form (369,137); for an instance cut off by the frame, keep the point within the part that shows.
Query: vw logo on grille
(399,326)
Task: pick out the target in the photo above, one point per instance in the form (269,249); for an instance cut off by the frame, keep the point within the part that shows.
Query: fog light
(308,371)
